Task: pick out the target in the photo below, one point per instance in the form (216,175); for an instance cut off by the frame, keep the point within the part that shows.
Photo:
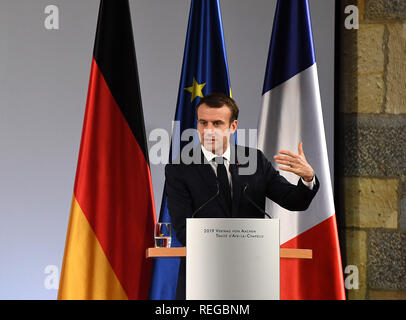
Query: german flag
(112,214)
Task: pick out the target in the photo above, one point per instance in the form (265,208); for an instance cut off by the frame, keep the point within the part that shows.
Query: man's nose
(209,128)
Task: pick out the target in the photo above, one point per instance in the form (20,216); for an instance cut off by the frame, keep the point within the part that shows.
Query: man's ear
(233,126)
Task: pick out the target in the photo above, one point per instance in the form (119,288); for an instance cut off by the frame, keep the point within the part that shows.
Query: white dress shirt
(226,156)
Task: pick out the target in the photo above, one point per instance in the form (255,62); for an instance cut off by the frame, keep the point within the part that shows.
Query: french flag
(291,113)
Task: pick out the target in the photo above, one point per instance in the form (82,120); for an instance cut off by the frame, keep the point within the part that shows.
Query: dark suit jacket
(188,186)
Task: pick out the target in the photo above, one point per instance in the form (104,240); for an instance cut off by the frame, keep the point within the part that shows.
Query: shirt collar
(210,155)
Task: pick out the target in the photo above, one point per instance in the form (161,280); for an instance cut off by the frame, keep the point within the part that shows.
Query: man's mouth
(210,140)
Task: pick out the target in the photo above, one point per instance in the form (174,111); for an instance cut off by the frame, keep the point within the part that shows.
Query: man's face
(214,127)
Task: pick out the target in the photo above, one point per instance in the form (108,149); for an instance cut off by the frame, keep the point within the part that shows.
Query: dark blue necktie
(224,184)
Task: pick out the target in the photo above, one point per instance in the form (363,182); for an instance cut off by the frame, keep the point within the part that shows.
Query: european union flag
(204,71)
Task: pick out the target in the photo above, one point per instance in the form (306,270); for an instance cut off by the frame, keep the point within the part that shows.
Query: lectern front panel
(232,259)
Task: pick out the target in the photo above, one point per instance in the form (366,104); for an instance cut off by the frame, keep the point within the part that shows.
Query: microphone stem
(210,199)
(254,204)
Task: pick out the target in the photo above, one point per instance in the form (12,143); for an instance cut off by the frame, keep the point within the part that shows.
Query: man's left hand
(295,163)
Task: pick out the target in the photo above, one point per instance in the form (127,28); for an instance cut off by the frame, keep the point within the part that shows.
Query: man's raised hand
(295,163)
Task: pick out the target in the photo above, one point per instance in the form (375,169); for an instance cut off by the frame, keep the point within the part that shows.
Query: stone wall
(372,147)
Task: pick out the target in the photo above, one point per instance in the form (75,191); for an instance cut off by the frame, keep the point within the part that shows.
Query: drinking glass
(163,235)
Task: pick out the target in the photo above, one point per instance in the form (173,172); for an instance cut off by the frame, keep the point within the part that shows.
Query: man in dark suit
(220,168)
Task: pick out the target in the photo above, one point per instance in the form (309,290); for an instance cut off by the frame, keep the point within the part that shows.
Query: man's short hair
(217,100)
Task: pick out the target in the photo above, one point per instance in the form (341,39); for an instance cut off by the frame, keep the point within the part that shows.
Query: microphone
(208,201)
(252,202)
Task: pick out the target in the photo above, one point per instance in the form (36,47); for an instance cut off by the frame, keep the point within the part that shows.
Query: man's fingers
(289,153)
(288,169)
(295,163)
(287,158)
(285,162)
(300,148)
(285,168)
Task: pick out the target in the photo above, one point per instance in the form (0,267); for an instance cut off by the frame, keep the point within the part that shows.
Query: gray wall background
(43,86)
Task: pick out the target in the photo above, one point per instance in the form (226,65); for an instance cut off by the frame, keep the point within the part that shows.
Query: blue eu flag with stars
(204,70)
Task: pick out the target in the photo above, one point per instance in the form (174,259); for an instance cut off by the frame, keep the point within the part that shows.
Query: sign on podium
(228,259)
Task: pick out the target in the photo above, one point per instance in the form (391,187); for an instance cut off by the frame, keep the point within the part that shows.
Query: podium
(232,259)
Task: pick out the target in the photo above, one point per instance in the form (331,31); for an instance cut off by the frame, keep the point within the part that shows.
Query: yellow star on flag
(195,90)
